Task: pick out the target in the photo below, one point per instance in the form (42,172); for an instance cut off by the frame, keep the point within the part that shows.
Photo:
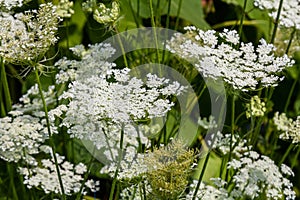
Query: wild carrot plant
(159,99)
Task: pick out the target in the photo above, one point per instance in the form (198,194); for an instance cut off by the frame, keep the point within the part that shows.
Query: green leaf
(191,10)
(212,168)
(75,25)
(254,13)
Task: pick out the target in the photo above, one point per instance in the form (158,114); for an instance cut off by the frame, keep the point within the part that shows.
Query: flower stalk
(276,22)
(49,132)
(4,86)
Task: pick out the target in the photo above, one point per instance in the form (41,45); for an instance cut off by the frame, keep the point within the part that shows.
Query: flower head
(289,128)
(256,107)
(45,176)
(289,15)
(20,137)
(27,37)
(217,56)
(7,5)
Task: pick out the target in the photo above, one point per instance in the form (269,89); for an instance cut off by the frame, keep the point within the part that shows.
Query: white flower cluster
(10,4)
(208,192)
(245,68)
(131,166)
(258,175)
(289,15)
(26,37)
(289,128)
(106,101)
(88,66)
(65,8)
(222,143)
(209,123)
(256,107)
(136,191)
(31,101)
(45,176)
(101,13)
(20,137)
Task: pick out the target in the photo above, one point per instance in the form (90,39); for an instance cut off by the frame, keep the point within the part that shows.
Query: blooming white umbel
(104,101)
(10,4)
(256,177)
(217,55)
(289,15)
(20,137)
(26,37)
(289,128)
(45,176)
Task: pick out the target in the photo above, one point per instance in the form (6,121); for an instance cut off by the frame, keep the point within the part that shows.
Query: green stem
(295,81)
(138,9)
(177,16)
(133,14)
(2,107)
(274,142)
(290,41)
(290,95)
(168,14)
(232,133)
(257,131)
(242,20)
(276,22)
(167,31)
(234,22)
(122,48)
(201,175)
(154,30)
(67,34)
(7,98)
(295,158)
(157,12)
(49,132)
(111,196)
(12,183)
(144,191)
(287,152)
(86,175)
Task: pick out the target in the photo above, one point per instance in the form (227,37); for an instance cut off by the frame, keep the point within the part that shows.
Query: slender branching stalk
(12,186)
(4,83)
(232,132)
(276,22)
(242,20)
(178,14)
(63,197)
(112,191)
(287,152)
(287,103)
(201,175)
(122,48)
(154,30)
(86,175)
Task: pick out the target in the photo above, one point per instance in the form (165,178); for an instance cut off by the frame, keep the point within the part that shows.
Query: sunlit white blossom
(258,175)
(289,15)
(65,8)
(244,68)
(101,13)
(45,176)
(105,101)
(10,4)
(289,128)
(26,37)
(20,137)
